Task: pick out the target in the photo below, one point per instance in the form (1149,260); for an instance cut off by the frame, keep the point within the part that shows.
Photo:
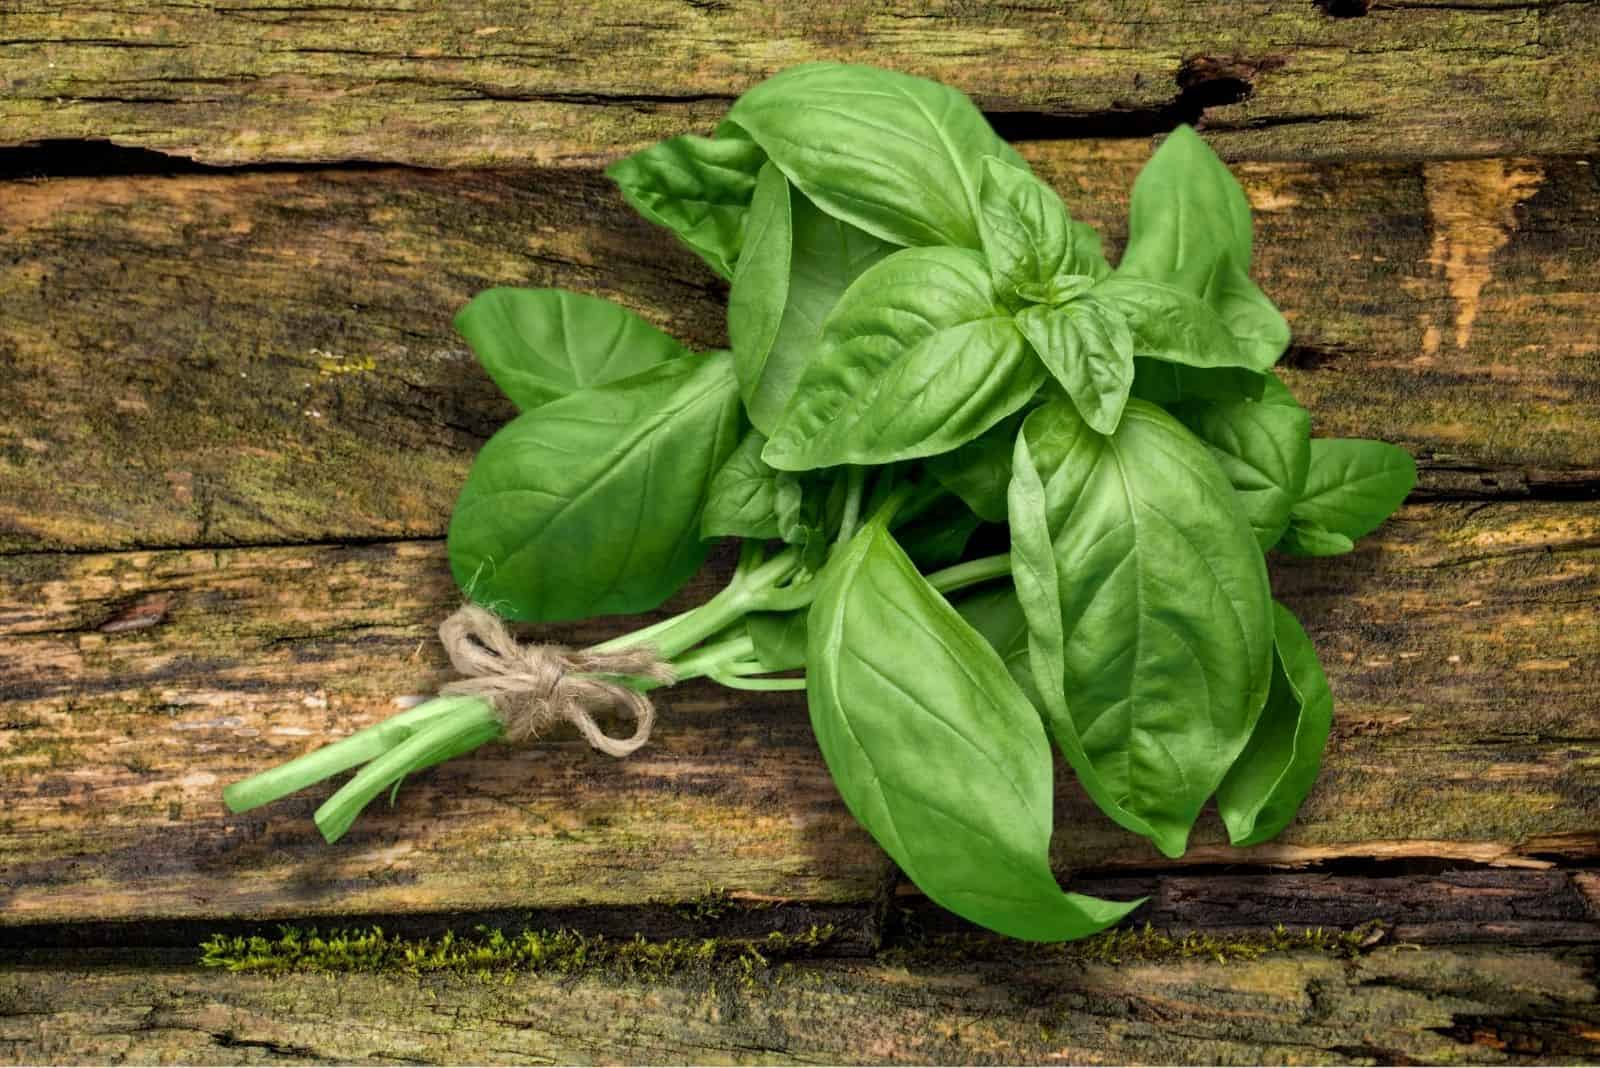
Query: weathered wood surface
(267,358)
(1461,643)
(497,81)
(1391,1005)
(236,420)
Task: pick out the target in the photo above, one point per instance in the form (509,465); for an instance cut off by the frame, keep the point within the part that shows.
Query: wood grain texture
(500,81)
(267,358)
(1394,1005)
(235,421)
(1460,641)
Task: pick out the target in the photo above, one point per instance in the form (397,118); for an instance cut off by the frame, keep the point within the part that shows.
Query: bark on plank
(498,81)
(1461,644)
(1397,1005)
(267,358)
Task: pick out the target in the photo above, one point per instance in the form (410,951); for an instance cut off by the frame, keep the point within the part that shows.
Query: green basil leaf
(797,262)
(939,538)
(697,187)
(540,344)
(1353,485)
(897,156)
(779,638)
(1249,314)
(1060,290)
(1028,237)
(917,359)
(1088,347)
(935,750)
(1148,610)
(742,501)
(1263,448)
(1273,391)
(1273,775)
(810,507)
(1186,212)
(1189,226)
(1169,324)
(1305,538)
(790,500)
(996,614)
(1160,382)
(1090,253)
(591,504)
(979,472)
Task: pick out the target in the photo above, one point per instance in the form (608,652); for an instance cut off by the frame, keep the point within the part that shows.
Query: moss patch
(564,952)
(1136,946)
(489,951)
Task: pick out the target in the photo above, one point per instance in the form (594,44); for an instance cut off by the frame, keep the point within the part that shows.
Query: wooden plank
(1515,906)
(143,683)
(1394,1005)
(498,81)
(267,358)
(1461,644)
(1444,905)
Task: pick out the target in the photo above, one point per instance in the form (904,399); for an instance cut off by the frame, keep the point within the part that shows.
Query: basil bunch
(926,344)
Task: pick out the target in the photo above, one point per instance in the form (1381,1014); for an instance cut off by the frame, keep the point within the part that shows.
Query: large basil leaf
(897,156)
(742,501)
(540,344)
(1148,610)
(1305,538)
(1249,314)
(1189,226)
(935,750)
(917,359)
(1352,485)
(779,638)
(1263,447)
(1088,347)
(810,508)
(591,504)
(1027,234)
(996,614)
(697,187)
(940,537)
(1166,383)
(795,520)
(1089,251)
(797,262)
(1169,324)
(1273,775)
(980,471)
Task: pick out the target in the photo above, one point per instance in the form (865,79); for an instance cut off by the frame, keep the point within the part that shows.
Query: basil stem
(471,723)
(330,760)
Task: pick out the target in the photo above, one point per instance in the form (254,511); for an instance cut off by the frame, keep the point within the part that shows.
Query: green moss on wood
(491,950)
(1139,945)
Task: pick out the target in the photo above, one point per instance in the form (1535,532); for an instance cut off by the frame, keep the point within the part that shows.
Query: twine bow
(535,686)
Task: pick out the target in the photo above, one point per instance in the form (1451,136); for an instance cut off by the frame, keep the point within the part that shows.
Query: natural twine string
(533,687)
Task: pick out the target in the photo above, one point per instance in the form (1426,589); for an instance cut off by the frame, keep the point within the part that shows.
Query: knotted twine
(535,686)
